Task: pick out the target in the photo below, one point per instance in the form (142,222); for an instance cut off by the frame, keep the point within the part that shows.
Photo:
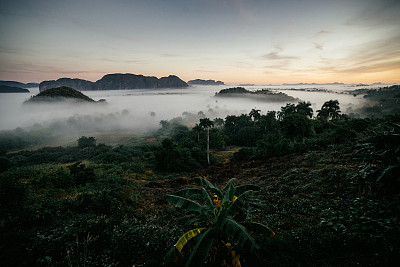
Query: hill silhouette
(60,94)
(117,81)
(12,89)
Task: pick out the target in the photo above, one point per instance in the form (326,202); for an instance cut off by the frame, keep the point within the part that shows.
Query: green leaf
(232,182)
(239,232)
(196,194)
(186,237)
(192,221)
(229,194)
(192,193)
(188,204)
(208,186)
(239,199)
(171,255)
(243,188)
(259,227)
(203,245)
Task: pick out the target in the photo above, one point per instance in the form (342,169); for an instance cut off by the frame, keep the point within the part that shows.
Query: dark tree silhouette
(304,108)
(329,110)
(218,122)
(86,142)
(255,114)
(286,110)
(197,128)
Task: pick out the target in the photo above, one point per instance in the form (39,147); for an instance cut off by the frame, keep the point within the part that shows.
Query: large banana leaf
(192,221)
(196,194)
(239,232)
(208,186)
(229,194)
(172,253)
(239,199)
(188,204)
(193,193)
(200,251)
(259,227)
(186,237)
(246,187)
(232,182)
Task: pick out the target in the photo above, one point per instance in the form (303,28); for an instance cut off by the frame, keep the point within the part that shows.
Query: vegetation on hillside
(325,183)
(383,101)
(59,94)
(261,95)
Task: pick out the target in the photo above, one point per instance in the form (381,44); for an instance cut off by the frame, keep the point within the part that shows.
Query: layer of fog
(142,110)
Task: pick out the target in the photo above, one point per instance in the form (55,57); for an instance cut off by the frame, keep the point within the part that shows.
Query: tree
(304,108)
(268,122)
(164,124)
(86,142)
(286,110)
(221,222)
(329,110)
(296,126)
(218,122)
(197,128)
(171,157)
(255,114)
(201,114)
(206,123)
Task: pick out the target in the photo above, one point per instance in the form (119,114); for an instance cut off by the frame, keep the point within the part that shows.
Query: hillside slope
(60,94)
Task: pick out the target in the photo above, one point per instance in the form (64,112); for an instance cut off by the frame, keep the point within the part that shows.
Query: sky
(236,41)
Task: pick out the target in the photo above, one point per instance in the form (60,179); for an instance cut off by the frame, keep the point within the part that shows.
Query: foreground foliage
(222,220)
(330,190)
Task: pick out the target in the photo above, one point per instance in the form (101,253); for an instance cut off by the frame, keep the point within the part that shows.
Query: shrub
(217,226)
(86,142)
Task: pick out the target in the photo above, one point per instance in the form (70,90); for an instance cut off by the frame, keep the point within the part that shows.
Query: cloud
(278,62)
(136,61)
(208,71)
(378,56)
(381,13)
(318,46)
(277,56)
(169,55)
(320,33)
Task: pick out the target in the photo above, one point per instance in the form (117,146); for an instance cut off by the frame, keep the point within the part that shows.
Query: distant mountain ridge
(19,84)
(205,82)
(116,81)
(12,89)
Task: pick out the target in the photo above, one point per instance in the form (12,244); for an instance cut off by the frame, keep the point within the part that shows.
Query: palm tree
(304,108)
(206,123)
(286,110)
(329,110)
(255,114)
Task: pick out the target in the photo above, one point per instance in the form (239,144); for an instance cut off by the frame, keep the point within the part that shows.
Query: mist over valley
(141,110)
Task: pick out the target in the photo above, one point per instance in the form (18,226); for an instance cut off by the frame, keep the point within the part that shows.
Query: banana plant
(218,213)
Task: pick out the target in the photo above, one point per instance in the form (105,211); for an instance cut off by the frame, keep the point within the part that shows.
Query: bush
(81,173)
(86,142)
(172,158)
